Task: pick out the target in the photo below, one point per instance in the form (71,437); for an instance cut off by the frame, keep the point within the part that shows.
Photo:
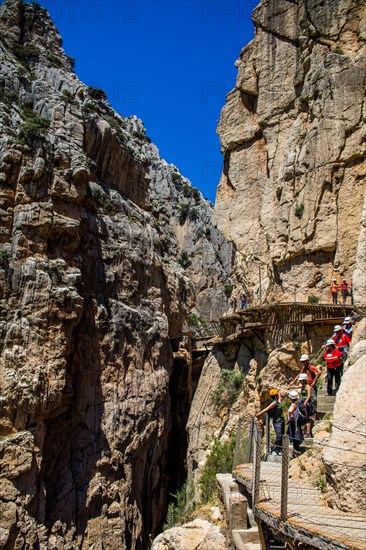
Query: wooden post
(260,286)
(268,434)
(237,444)
(256,466)
(250,442)
(284,476)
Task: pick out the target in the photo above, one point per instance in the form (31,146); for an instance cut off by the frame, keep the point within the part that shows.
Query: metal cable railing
(300,505)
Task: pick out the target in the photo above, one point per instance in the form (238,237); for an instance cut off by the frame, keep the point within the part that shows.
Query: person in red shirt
(341,338)
(344,291)
(334,291)
(342,341)
(333,358)
(312,372)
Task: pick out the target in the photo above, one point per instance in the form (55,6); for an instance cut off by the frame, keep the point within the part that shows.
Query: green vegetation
(71,61)
(299,210)
(338,50)
(89,107)
(4,258)
(194,320)
(312,299)
(54,60)
(304,23)
(143,327)
(228,289)
(186,211)
(97,93)
(183,211)
(9,97)
(228,389)
(33,128)
(179,510)
(184,260)
(321,481)
(26,53)
(220,460)
(177,180)
(193,214)
(37,6)
(69,97)
(113,123)
(190,192)
(141,134)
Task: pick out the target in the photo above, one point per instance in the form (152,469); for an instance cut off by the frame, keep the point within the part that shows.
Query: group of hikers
(345,288)
(242,300)
(302,391)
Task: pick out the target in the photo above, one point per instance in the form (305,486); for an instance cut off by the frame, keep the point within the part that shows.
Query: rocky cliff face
(104,251)
(292,192)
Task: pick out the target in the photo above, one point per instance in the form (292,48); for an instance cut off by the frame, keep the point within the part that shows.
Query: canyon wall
(292,191)
(105,251)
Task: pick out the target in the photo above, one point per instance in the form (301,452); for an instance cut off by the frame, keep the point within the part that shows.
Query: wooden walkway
(309,521)
(278,315)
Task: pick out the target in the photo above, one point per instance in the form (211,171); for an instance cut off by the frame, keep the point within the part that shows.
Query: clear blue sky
(170,62)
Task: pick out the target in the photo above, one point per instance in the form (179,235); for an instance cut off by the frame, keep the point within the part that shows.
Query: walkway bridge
(292,511)
(278,322)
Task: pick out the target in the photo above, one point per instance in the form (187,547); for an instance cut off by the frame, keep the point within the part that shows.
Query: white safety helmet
(347,319)
(304,357)
(337,328)
(293,395)
(303,376)
(330,342)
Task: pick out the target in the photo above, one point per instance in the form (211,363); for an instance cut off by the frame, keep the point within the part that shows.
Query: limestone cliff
(292,192)
(104,251)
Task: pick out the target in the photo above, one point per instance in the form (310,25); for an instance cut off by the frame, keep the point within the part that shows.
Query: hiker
(233,304)
(334,291)
(275,411)
(311,371)
(342,341)
(305,404)
(334,360)
(294,428)
(243,299)
(347,327)
(344,291)
(350,292)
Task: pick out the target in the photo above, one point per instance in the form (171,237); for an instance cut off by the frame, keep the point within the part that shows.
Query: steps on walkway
(242,524)
(325,403)
(240,545)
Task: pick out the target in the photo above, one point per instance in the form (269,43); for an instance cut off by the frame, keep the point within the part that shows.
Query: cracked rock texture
(105,249)
(292,192)
(198,533)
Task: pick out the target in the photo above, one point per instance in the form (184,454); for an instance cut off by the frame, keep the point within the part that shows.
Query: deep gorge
(108,254)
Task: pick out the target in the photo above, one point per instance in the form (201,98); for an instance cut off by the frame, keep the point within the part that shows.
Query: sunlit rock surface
(292,192)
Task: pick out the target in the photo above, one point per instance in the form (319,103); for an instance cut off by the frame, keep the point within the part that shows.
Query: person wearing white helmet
(342,341)
(294,425)
(334,360)
(347,327)
(275,411)
(310,370)
(305,404)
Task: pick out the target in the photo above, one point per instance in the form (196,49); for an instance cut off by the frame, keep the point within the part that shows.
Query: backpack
(302,415)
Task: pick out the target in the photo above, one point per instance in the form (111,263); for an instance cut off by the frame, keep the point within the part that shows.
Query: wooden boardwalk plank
(308,518)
